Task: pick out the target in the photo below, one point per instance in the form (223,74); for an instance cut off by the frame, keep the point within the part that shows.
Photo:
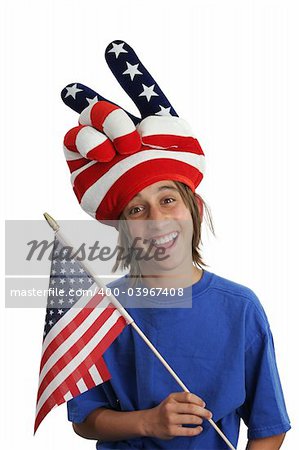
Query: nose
(155,213)
(157,221)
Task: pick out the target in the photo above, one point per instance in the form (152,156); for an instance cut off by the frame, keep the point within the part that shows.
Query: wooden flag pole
(56,228)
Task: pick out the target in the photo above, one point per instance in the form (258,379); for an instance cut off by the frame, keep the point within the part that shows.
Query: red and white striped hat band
(111,159)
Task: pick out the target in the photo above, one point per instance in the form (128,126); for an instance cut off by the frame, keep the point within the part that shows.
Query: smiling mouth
(165,241)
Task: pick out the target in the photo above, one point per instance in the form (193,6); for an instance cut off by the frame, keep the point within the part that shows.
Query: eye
(134,210)
(169,200)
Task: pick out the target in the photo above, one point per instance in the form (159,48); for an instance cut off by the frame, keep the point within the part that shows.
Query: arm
(109,425)
(268,443)
(164,421)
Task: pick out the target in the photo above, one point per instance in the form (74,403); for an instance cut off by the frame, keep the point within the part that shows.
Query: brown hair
(191,200)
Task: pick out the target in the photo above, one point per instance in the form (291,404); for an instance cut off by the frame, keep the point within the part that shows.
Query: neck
(172,280)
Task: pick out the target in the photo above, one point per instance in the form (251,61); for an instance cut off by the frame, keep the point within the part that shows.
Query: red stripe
(128,144)
(45,409)
(88,380)
(141,176)
(91,175)
(77,164)
(103,152)
(56,398)
(81,371)
(71,327)
(73,351)
(102,367)
(99,112)
(70,138)
(167,140)
(73,388)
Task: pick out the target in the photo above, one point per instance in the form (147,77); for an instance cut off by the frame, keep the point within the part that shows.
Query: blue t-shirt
(217,339)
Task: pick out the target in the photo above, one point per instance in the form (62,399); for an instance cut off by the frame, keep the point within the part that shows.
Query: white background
(231,69)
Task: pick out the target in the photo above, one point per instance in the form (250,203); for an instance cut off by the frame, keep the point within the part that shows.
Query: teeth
(165,239)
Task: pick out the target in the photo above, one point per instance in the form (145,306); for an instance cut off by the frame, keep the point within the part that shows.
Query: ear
(200,206)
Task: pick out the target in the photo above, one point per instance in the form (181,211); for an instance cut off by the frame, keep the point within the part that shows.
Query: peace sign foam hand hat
(113,155)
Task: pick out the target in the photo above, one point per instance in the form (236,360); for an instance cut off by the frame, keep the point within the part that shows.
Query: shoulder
(235,291)
(231,287)
(237,296)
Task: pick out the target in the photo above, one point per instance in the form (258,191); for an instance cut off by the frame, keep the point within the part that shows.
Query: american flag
(81,323)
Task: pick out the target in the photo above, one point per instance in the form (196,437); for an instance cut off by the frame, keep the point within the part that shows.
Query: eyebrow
(162,188)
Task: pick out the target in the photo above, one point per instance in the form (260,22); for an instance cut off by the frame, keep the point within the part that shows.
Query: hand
(107,132)
(109,144)
(180,408)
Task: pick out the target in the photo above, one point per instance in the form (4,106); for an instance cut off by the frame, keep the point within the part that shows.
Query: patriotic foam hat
(113,155)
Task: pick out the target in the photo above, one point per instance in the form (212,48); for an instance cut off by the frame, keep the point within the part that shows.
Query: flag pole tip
(53,224)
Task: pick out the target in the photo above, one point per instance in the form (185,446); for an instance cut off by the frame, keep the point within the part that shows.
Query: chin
(170,265)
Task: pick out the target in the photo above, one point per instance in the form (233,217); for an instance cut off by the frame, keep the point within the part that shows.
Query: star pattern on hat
(117,49)
(132,70)
(92,101)
(133,77)
(148,92)
(163,111)
(72,91)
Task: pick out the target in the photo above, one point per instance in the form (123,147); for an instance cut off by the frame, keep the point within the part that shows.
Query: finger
(136,80)
(74,160)
(78,97)
(115,123)
(89,143)
(187,419)
(167,132)
(187,397)
(185,431)
(194,410)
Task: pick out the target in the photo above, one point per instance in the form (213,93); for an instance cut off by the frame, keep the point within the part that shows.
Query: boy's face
(162,223)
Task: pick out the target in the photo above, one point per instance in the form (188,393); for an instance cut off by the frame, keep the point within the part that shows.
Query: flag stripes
(75,340)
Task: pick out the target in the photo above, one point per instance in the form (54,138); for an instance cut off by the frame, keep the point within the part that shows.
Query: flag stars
(72,91)
(148,92)
(117,49)
(92,101)
(163,111)
(132,70)
(66,275)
